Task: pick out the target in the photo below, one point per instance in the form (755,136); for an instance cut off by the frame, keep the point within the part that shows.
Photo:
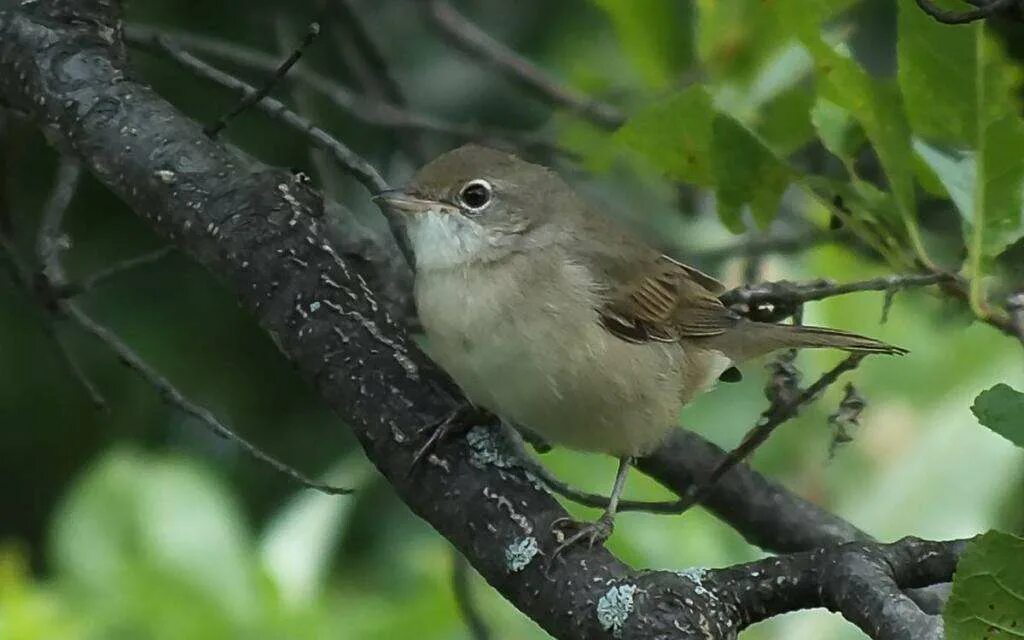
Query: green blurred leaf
(675,136)
(987,600)
(657,35)
(955,171)
(686,139)
(961,90)
(784,123)
(736,37)
(1010,263)
(29,611)
(299,542)
(838,131)
(746,172)
(1001,409)
(876,106)
(135,517)
(868,210)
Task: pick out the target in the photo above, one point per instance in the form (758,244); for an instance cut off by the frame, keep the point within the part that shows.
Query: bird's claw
(458,420)
(591,533)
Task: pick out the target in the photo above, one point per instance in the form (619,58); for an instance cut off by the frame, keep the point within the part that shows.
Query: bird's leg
(458,421)
(601,529)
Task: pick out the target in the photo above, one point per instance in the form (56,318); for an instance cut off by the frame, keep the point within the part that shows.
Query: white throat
(444,240)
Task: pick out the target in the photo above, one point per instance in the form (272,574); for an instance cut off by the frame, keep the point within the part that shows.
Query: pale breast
(522,338)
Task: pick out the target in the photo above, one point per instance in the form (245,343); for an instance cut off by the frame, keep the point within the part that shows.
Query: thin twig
(981,12)
(352,162)
(482,47)
(375,112)
(171,394)
(280,72)
(108,273)
(463,591)
(21,275)
(50,241)
(773,301)
(777,414)
(357,166)
(48,246)
(365,60)
(354,236)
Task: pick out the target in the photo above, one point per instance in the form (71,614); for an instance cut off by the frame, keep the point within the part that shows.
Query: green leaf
(876,106)
(784,122)
(1001,409)
(996,217)
(737,39)
(734,36)
(686,139)
(987,601)
(675,136)
(936,71)
(838,131)
(746,172)
(955,171)
(962,93)
(157,521)
(299,541)
(657,35)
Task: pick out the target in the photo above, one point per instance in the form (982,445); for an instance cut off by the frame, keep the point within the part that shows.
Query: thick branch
(262,231)
(983,9)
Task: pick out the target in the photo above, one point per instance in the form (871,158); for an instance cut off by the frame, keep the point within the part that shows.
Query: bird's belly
(571,383)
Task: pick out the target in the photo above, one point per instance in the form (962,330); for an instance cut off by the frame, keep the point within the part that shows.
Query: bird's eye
(476,195)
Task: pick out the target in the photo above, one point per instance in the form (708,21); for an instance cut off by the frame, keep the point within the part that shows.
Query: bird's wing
(648,296)
(666,301)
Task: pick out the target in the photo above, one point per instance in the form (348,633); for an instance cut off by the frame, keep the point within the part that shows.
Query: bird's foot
(572,532)
(457,422)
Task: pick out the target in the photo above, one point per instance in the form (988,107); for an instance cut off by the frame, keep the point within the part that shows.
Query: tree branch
(983,9)
(262,231)
(371,111)
(107,274)
(252,97)
(480,46)
(366,61)
(774,301)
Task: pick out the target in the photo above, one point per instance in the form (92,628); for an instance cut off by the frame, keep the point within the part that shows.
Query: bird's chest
(512,324)
(528,345)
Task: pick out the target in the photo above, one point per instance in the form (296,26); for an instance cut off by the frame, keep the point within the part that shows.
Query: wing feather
(668,301)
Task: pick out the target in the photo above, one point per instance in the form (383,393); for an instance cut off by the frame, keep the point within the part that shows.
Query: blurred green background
(135,522)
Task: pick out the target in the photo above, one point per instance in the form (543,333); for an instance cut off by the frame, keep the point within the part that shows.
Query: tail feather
(761,338)
(801,336)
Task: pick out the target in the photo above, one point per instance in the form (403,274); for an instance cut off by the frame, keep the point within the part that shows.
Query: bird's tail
(760,338)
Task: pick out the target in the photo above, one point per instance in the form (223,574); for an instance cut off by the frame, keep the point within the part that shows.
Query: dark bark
(262,232)
(761,510)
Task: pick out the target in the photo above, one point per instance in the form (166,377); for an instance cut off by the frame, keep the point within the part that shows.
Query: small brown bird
(552,317)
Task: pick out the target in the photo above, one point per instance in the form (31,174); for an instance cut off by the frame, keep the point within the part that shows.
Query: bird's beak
(401,201)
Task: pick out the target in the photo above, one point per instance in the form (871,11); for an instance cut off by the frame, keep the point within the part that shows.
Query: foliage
(1001,409)
(788,113)
(988,590)
(706,134)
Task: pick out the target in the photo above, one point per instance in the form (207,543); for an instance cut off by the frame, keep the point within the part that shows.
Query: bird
(550,315)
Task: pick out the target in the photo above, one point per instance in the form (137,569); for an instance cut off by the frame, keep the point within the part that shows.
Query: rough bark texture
(262,232)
